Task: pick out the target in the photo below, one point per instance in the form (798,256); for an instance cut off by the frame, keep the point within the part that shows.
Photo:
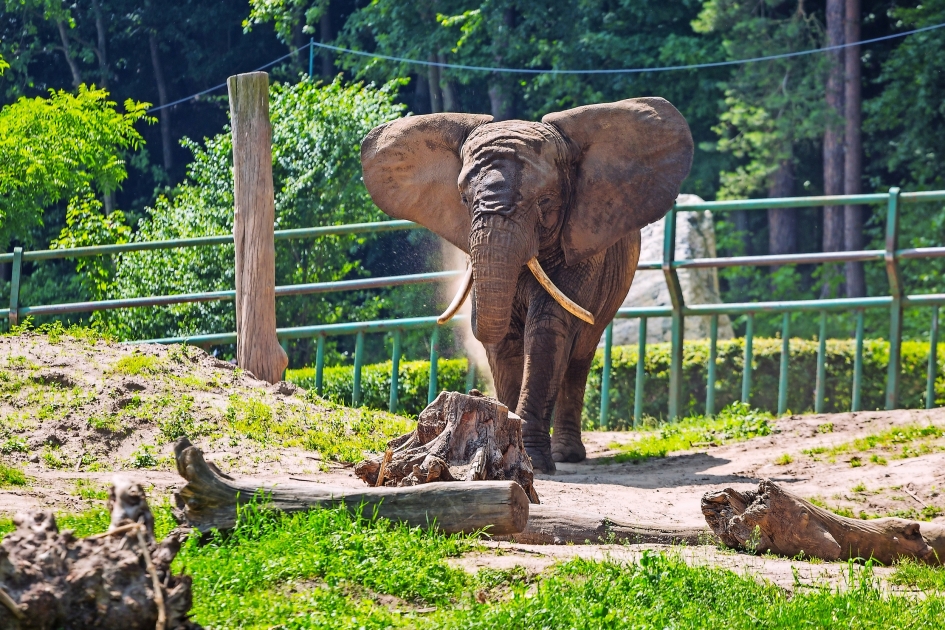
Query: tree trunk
(165,114)
(209,500)
(459,437)
(101,51)
(772,519)
(833,133)
(73,66)
(853,154)
(421,96)
(502,86)
(433,81)
(324,27)
(450,103)
(782,222)
(257,348)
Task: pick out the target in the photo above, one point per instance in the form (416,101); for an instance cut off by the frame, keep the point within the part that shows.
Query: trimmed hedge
(412,385)
(412,390)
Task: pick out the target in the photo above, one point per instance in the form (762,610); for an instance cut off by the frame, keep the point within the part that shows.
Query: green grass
(784,459)
(911,441)
(327,569)
(12,476)
(736,422)
(137,365)
(86,489)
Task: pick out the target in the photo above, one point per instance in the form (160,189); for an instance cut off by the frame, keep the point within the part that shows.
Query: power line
(694,66)
(455,66)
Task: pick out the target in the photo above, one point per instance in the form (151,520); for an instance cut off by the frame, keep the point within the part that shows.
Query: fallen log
(774,520)
(459,437)
(119,580)
(554,526)
(209,499)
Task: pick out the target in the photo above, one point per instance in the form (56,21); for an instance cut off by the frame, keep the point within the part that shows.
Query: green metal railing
(891,256)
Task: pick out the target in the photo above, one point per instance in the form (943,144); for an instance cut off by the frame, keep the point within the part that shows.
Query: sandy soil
(659,490)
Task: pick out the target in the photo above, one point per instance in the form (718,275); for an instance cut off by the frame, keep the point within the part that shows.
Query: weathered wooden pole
(257,348)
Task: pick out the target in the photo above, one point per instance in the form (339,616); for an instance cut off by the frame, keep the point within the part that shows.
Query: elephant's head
(575,183)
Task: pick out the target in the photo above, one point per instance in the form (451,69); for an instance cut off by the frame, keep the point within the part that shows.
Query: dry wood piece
(210,498)
(554,526)
(118,580)
(458,437)
(772,519)
(257,348)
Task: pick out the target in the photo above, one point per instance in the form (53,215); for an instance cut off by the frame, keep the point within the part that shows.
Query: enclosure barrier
(890,255)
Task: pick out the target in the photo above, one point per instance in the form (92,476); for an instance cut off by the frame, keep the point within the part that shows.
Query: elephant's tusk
(567,303)
(458,299)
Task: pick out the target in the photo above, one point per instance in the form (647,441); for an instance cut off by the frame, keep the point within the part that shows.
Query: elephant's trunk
(498,253)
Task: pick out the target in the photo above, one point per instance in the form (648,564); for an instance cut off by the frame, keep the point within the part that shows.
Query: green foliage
(413,381)
(61,148)
(137,365)
(12,476)
(144,457)
(316,133)
(735,423)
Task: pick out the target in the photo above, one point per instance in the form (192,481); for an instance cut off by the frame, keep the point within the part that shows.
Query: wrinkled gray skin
(573,190)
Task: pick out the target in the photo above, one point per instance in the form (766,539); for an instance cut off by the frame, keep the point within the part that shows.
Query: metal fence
(891,255)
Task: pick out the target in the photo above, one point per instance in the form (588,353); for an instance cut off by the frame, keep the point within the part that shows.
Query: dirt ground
(62,453)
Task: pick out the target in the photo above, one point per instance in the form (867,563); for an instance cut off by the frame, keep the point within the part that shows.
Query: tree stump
(257,348)
(210,498)
(119,580)
(772,519)
(458,437)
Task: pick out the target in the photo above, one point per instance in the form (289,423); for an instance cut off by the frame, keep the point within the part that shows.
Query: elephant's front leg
(547,340)
(566,445)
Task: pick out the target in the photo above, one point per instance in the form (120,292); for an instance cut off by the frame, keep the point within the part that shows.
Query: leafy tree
(317,132)
(60,148)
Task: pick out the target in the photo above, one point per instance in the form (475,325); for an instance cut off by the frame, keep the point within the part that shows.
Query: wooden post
(257,348)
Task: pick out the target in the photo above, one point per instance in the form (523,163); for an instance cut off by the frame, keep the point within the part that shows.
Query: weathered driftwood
(459,437)
(772,519)
(120,580)
(210,498)
(554,526)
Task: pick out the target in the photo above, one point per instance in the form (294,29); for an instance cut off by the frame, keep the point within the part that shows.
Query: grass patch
(899,441)
(736,422)
(144,457)
(89,490)
(137,365)
(12,476)
(784,459)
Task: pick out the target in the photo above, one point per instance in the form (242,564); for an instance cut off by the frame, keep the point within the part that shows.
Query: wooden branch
(773,519)
(209,500)
(257,348)
(554,526)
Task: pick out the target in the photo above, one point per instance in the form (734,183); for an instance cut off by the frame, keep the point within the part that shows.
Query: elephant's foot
(542,459)
(566,447)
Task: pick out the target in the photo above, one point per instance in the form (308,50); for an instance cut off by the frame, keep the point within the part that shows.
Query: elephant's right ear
(411,169)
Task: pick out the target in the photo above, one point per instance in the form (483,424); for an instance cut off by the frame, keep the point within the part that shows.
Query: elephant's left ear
(632,157)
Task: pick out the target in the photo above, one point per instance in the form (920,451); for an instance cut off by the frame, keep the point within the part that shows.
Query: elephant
(549,214)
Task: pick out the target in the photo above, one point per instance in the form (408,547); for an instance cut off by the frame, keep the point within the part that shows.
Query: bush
(802,370)
(412,385)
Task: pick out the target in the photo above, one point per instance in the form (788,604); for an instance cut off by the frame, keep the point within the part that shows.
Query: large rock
(695,238)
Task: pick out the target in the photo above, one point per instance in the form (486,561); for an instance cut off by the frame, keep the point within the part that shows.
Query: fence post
(257,348)
(933,361)
(394,374)
(820,383)
(319,364)
(858,363)
(605,376)
(676,297)
(641,374)
(358,363)
(15,274)
(895,289)
(713,355)
(785,356)
(431,391)
(748,359)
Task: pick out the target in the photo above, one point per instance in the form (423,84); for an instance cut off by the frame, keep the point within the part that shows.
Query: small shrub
(14,444)
(52,458)
(144,457)
(784,460)
(11,476)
